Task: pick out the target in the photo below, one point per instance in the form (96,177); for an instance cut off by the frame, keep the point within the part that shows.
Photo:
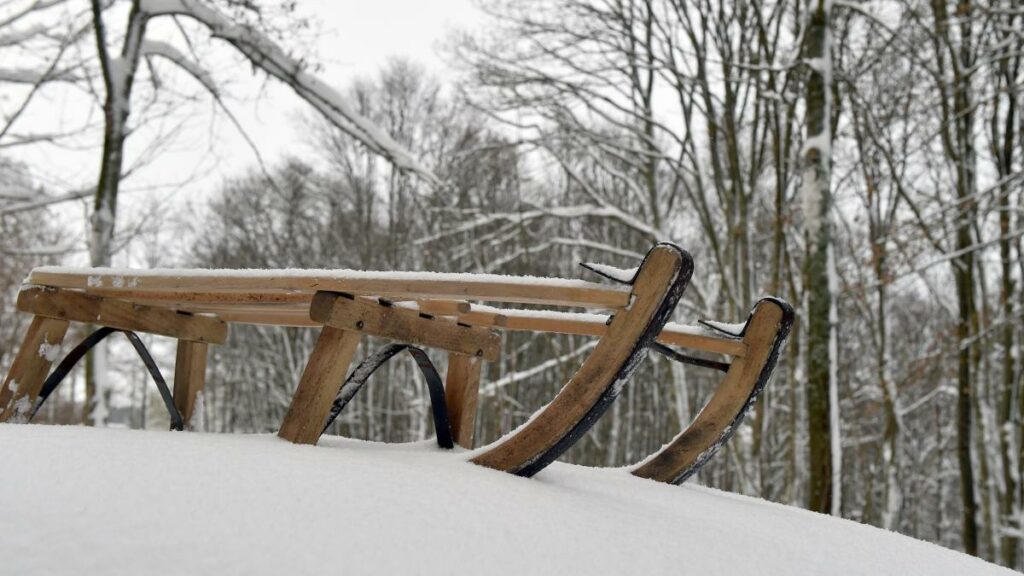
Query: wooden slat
(25,379)
(230,287)
(717,419)
(289,319)
(595,325)
(296,315)
(442,307)
(322,378)
(290,315)
(189,377)
(370,317)
(172,298)
(461,391)
(704,342)
(285,315)
(79,307)
(478,317)
(255,303)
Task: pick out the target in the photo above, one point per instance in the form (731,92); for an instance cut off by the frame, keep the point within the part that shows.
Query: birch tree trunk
(118,77)
(1004,137)
(822,408)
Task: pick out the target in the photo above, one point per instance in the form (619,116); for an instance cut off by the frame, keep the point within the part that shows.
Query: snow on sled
(416,310)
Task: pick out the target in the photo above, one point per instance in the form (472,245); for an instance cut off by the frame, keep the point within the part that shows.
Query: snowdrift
(92,501)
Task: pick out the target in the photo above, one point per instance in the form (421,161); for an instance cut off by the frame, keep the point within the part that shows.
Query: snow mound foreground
(90,501)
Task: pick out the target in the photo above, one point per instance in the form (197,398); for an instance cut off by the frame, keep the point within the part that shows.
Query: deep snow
(101,501)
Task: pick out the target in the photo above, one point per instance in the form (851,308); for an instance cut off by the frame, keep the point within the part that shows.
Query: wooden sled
(418,310)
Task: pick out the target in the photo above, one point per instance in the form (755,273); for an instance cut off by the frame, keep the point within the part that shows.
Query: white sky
(356,38)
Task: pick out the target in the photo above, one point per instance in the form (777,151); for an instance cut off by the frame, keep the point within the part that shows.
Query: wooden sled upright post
(462,390)
(30,367)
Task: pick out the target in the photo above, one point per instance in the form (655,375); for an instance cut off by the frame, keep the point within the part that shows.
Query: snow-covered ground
(94,501)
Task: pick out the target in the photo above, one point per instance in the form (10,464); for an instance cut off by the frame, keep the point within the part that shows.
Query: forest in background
(862,160)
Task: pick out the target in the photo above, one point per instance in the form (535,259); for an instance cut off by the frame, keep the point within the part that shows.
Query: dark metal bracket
(83,347)
(355,382)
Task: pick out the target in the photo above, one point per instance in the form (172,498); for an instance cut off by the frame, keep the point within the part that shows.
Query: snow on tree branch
(34,76)
(268,56)
(165,50)
(493,388)
(16,37)
(605,211)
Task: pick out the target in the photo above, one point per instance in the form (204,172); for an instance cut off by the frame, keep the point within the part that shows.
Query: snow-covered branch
(46,201)
(551,364)
(35,76)
(164,50)
(268,56)
(564,212)
(15,37)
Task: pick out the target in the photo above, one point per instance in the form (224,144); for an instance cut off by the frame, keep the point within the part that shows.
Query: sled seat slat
(580,324)
(238,286)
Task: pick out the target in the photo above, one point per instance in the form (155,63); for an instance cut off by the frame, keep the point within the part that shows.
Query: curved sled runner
(657,287)
(763,335)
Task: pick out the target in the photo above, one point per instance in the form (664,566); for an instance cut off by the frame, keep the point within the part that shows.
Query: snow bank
(102,501)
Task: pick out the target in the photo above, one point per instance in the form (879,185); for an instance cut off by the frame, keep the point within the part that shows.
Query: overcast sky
(356,38)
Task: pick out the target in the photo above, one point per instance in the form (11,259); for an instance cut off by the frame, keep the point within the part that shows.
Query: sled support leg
(461,391)
(30,367)
(189,377)
(320,381)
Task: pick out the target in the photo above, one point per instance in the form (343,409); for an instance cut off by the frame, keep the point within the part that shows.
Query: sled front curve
(763,336)
(656,288)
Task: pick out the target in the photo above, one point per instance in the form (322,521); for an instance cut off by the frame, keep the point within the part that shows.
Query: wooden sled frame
(429,311)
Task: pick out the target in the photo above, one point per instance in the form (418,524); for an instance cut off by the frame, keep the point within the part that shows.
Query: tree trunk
(118,76)
(819,274)
(1006,135)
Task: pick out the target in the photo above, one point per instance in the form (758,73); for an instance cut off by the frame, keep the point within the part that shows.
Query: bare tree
(825,461)
(120,68)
